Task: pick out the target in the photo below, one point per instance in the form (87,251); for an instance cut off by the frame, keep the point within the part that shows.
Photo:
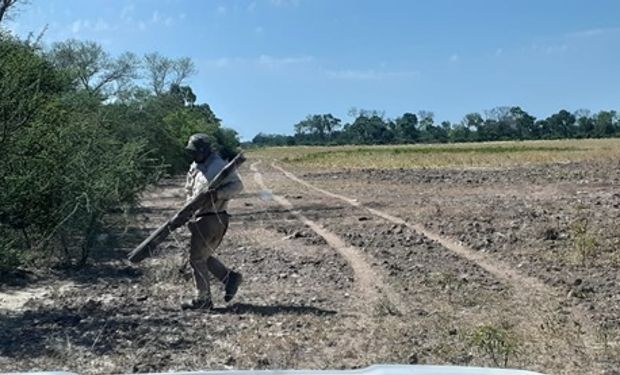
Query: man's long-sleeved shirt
(199,176)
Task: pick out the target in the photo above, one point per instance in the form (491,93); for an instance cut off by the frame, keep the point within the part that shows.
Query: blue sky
(265,64)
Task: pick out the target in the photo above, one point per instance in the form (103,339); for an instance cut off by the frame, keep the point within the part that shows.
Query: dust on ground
(330,284)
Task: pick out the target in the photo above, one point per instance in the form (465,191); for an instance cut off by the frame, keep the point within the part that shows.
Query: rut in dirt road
(529,290)
(370,284)
(501,271)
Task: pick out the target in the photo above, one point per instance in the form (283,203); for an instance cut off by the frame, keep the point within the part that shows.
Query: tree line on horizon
(371,127)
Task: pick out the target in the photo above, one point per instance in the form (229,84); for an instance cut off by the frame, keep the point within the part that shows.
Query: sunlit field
(460,155)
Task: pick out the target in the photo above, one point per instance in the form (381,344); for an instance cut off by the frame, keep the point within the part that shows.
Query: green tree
(604,124)
(29,89)
(524,123)
(69,156)
(62,166)
(406,128)
(585,123)
(369,130)
(262,139)
(560,125)
(319,126)
(460,133)
(473,121)
(429,132)
(501,124)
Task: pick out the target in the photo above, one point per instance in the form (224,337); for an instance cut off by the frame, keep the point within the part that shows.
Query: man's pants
(207,234)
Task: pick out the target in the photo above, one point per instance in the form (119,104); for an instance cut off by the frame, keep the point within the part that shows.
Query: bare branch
(182,69)
(158,69)
(6,6)
(163,72)
(92,67)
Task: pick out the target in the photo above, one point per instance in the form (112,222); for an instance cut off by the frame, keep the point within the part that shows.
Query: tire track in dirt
(527,289)
(370,284)
(501,271)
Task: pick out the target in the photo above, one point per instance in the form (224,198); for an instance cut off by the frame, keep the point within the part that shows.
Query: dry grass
(461,155)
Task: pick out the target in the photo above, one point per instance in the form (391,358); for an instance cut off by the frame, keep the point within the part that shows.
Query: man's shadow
(271,310)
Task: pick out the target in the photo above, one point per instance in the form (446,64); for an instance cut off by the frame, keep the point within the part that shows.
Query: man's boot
(198,303)
(233,281)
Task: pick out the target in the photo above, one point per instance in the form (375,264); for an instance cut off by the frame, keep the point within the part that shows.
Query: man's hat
(199,142)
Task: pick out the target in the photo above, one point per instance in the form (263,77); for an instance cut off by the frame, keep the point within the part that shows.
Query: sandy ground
(515,268)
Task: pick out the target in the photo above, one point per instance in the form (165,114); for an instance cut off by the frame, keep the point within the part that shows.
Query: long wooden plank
(148,246)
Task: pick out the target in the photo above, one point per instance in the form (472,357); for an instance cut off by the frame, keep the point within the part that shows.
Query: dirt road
(346,269)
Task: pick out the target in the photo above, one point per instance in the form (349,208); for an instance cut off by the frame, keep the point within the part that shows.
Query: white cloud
(225,62)
(155,18)
(279,3)
(455,58)
(127,12)
(370,74)
(82,25)
(556,48)
(549,48)
(76,26)
(222,62)
(275,62)
(101,25)
(594,32)
(262,61)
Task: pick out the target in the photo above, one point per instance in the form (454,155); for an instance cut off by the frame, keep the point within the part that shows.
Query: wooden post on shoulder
(147,247)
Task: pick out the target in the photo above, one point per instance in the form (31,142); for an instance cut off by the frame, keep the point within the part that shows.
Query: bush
(498,343)
(69,157)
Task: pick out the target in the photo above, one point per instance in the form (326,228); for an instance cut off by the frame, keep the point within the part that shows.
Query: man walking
(209,223)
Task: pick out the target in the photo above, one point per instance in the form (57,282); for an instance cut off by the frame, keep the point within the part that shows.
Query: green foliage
(405,128)
(273,140)
(585,242)
(27,83)
(70,156)
(9,255)
(606,124)
(321,126)
(498,124)
(369,130)
(181,124)
(498,343)
(226,142)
